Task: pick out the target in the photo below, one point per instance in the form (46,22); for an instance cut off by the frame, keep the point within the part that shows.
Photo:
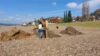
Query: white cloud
(9,18)
(30,17)
(54,3)
(16,19)
(72,5)
(92,4)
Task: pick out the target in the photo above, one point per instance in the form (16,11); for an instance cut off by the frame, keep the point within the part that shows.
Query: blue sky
(19,11)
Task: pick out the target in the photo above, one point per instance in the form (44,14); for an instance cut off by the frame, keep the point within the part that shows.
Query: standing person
(40,30)
(45,25)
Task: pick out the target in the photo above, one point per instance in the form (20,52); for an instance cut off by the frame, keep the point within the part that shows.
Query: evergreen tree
(65,17)
(69,16)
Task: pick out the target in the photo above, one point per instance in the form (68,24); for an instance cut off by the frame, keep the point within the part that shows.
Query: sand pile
(70,31)
(51,34)
(14,34)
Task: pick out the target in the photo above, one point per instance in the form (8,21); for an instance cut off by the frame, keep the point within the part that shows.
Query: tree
(65,16)
(69,16)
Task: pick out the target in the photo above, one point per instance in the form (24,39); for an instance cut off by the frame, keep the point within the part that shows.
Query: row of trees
(67,17)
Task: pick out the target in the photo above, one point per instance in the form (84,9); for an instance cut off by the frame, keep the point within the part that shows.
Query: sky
(20,11)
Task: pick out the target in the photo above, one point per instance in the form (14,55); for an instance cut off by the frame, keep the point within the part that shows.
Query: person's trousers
(41,34)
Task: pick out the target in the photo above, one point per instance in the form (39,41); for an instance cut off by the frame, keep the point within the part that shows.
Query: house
(55,20)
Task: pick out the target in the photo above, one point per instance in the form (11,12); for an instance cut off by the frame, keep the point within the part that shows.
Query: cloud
(54,3)
(92,4)
(72,5)
(8,19)
(30,17)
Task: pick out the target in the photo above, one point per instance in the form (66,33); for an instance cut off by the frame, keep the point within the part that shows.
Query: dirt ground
(87,44)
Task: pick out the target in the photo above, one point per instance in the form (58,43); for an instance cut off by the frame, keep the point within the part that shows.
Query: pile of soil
(70,31)
(51,34)
(14,34)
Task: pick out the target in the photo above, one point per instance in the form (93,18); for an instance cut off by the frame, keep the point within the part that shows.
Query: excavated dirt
(87,44)
(14,34)
(51,34)
(70,31)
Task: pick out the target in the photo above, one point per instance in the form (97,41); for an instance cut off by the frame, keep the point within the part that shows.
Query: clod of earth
(70,31)
(14,34)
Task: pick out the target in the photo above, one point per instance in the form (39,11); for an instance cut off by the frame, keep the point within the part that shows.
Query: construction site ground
(86,44)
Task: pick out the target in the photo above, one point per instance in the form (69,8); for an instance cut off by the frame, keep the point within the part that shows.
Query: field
(87,24)
(86,44)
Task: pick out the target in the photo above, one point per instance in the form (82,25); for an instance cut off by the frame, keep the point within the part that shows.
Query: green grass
(89,24)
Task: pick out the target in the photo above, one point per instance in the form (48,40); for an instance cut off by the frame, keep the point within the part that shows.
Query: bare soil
(52,34)
(70,31)
(14,34)
(87,44)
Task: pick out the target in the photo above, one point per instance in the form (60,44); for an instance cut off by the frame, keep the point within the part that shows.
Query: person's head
(42,19)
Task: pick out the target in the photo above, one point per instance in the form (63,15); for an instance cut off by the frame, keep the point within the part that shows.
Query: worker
(45,25)
(40,30)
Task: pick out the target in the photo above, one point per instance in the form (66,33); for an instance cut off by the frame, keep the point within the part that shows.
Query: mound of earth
(51,34)
(14,34)
(70,31)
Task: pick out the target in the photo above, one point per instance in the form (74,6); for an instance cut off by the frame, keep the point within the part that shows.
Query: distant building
(24,24)
(55,20)
(85,10)
(96,14)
